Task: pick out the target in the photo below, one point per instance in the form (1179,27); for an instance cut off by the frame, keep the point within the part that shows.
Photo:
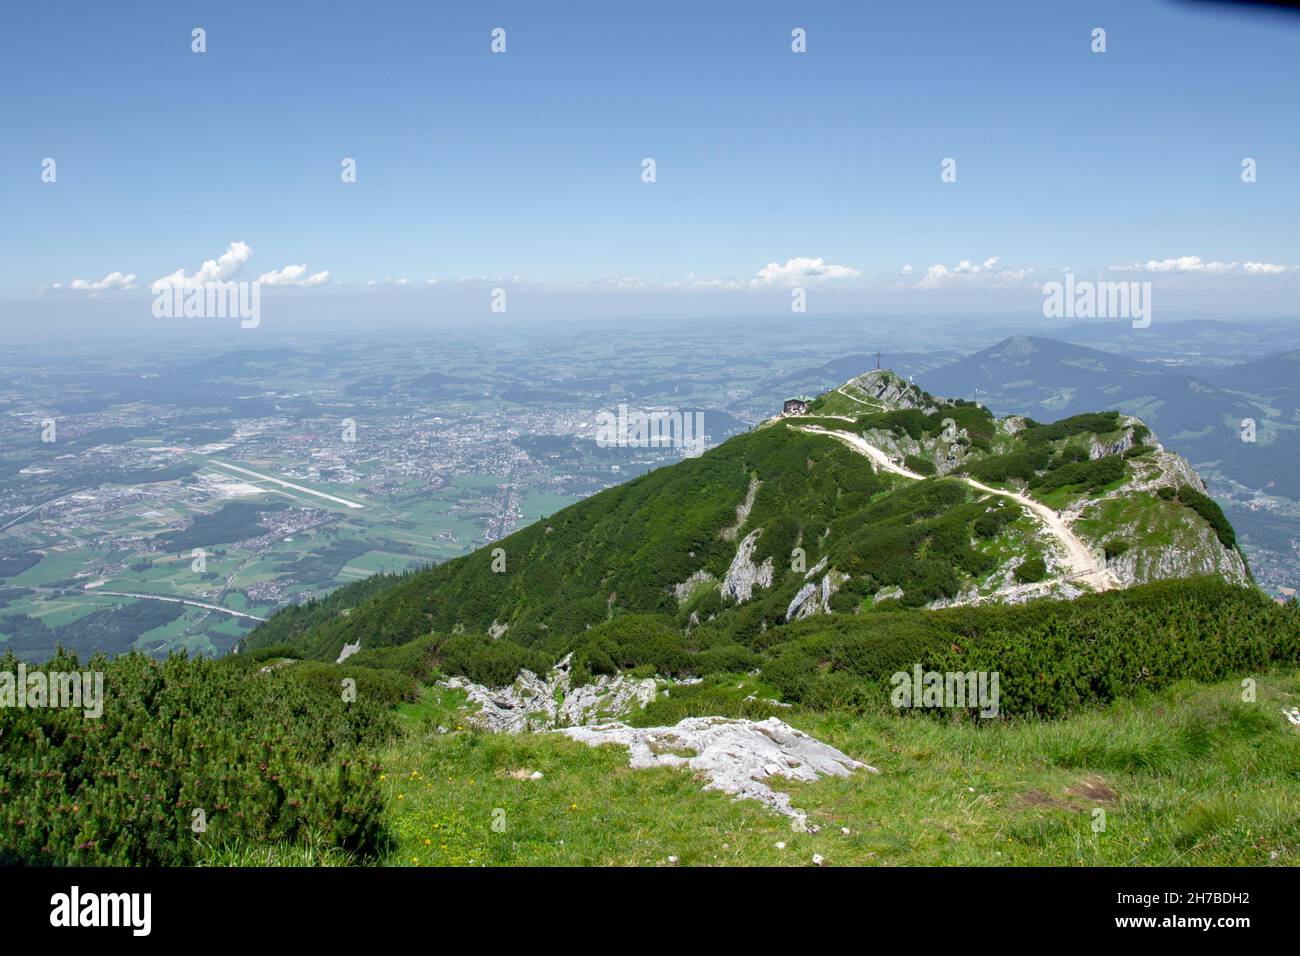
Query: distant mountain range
(1197,411)
(1197,408)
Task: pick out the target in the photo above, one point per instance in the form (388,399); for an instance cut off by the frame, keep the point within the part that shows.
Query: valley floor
(1188,777)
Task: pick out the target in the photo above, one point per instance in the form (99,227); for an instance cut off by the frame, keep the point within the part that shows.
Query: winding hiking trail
(1083,565)
(874,406)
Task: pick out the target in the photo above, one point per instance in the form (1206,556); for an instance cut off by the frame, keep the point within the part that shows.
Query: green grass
(1188,777)
(312,852)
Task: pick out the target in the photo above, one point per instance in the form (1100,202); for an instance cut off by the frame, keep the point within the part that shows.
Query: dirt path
(874,406)
(1082,564)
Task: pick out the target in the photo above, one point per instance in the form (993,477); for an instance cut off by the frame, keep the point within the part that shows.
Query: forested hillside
(792,521)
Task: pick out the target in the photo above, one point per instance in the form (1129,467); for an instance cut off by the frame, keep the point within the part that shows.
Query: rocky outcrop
(740,757)
(889,389)
(744,575)
(1013,424)
(1057,588)
(348,651)
(497,629)
(945,455)
(814,598)
(1197,551)
(888,593)
(742,511)
(817,568)
(803,603)
(537,703)
(1100,449)
(684,590)
(1170,470)
(1184,548)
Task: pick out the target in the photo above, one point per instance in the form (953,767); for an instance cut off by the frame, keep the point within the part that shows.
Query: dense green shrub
(1024,464)
(1108,646)
(1068,455)
(911,422)
(1115,547)
(1052,656)
(715,696)
(1088,475)
(627,642)
(976,420)
(484,660)
(728,658)
(1095,422)
(275,756)
(991,523)
(1031,570)
(275,651)
(417,659)
(1209,509)
(922,466)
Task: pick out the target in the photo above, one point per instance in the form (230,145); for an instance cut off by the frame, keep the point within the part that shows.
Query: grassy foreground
(1189,776)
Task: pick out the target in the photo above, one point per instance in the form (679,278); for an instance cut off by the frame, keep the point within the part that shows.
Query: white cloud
(803,269)
(723,282)
(230,263)
(213,270)
(967,271)
(114,280)
(907,270)
(965,267)
(294,275)
(620,284)
(1195,264)
(933,276)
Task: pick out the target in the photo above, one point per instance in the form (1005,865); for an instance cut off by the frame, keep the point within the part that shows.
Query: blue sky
(528,164)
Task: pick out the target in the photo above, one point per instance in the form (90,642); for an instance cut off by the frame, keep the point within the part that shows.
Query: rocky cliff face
(1163,548)
(893,391)
(744,575)
(1198,552)
(946,456)
(1100,449)
(815,597)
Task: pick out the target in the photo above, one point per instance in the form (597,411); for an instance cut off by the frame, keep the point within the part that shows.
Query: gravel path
(1082,564)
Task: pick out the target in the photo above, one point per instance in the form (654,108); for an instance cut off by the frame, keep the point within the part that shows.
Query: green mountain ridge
(880,496)
(792,572)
